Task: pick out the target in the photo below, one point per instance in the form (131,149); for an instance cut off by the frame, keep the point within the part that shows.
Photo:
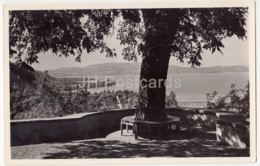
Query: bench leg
(135,130)
(121,128)
(126,127)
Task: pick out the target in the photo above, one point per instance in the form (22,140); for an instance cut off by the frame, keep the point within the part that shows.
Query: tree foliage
(236,100)
(70,32)
(156,34)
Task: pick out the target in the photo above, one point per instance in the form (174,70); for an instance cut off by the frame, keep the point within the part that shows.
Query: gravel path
(184,144)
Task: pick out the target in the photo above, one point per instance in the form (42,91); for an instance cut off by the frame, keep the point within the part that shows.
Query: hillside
(22,75)
(32,93)
(36,94)
(134,69)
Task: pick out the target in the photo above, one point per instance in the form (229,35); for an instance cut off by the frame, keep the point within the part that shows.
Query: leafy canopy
(70,32)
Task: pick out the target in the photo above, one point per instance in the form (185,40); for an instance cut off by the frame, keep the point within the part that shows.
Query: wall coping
(82,115)
(68,117)
(197,110)
(235,124)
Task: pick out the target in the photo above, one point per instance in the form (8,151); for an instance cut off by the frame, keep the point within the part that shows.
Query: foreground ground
(186,143)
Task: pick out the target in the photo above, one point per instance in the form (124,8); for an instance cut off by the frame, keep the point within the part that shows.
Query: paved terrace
(186,143)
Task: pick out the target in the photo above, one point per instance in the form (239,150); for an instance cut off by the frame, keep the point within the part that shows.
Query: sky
(235,52)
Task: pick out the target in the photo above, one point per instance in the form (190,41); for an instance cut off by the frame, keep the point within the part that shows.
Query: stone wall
(100,124)
(192,117)
(68,128)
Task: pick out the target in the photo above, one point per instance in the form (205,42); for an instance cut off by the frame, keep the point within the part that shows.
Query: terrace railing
(193,104)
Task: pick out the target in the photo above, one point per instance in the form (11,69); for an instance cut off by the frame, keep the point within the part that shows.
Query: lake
(187,87)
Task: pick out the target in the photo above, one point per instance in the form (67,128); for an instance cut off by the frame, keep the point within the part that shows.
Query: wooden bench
(130,121)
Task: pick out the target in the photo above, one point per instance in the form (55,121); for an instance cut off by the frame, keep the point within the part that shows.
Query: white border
(152,4)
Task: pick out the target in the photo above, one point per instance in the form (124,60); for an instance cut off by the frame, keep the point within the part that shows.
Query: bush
(236,100)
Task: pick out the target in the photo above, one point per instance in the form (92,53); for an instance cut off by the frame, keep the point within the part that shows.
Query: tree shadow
(184,144)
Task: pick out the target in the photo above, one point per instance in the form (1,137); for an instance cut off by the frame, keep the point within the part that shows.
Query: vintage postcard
(130,83)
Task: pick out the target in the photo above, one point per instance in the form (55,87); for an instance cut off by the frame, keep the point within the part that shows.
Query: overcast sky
(234,53)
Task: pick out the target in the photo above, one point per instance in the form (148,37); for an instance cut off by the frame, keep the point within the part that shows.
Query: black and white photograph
(172,82)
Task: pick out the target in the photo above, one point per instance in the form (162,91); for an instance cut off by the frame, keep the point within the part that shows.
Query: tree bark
(152,86)
(160,33)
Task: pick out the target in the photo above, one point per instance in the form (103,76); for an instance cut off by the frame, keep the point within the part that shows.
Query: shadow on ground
(186,143)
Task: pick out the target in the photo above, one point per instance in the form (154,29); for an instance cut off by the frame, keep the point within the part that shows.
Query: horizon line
(190,67)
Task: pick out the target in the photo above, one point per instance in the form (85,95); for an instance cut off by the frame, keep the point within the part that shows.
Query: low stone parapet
(232,132)
(67,128)
(100,124)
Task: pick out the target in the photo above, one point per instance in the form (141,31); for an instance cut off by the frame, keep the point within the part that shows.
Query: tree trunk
(152,85)
(160,34)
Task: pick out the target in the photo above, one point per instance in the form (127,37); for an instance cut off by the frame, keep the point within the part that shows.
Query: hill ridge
(134,68)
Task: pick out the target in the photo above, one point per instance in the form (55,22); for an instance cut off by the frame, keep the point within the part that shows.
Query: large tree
(155,34)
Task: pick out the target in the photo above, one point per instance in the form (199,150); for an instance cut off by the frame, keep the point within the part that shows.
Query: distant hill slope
(134,68)
(23,77)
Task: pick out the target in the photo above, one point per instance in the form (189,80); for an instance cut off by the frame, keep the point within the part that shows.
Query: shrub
(236,100)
